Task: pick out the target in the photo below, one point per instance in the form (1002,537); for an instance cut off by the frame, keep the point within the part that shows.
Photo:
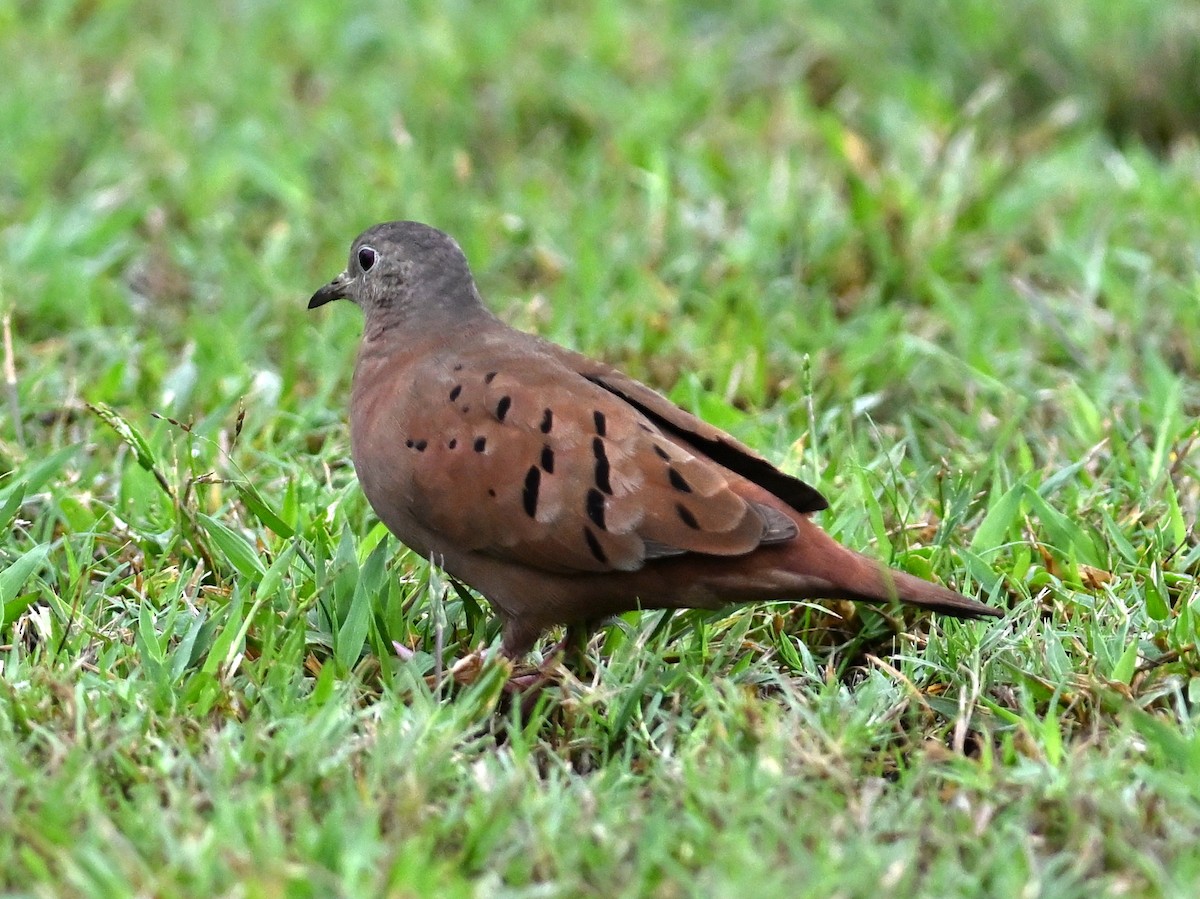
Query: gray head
(407,272)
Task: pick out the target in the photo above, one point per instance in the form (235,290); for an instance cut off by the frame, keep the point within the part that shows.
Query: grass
(940,259)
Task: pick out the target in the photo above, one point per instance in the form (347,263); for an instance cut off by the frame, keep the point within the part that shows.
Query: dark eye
(366,258)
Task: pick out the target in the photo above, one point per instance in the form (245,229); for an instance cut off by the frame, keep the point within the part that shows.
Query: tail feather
(928,595)
(854,576)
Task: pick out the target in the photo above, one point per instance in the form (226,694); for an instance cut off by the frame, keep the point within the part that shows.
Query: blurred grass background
(938,258)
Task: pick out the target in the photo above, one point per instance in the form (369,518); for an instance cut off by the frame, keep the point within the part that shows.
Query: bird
(562,490)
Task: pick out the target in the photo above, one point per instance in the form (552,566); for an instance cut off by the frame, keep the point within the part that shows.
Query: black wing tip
(793,491)
(796,493)
(812,498)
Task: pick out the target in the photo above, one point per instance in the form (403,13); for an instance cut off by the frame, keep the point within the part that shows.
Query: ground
(937,258)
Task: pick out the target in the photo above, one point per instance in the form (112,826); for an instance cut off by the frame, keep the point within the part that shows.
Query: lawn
(940,258)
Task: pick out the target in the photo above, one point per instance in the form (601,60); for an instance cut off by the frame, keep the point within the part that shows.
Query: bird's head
(407,272)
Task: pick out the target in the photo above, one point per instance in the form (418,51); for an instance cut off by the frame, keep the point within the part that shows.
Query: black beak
(334,290)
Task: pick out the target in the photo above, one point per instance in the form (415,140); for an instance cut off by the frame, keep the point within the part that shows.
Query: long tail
(854,576)
(927,595)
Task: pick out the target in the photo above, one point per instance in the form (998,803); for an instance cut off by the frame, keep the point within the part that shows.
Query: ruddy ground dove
(562,490)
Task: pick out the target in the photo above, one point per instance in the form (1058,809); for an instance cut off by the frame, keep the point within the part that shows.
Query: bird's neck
(402,328)
(426,312)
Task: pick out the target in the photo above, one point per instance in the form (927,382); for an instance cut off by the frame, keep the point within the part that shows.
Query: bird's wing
(520,457)
(703,438)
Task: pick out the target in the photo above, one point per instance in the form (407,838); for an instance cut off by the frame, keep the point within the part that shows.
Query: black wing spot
(601,423)
(491,492)
(686,516)
(678,482)
(489,377)
(594,545)
(602,466)
(533,480)
(409,444)
(453,443)
(480,444)
(547,421)
(595,507)
(457,389)
(548,459)
(797,494)
(421,444)
(662,453)
(502,407)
